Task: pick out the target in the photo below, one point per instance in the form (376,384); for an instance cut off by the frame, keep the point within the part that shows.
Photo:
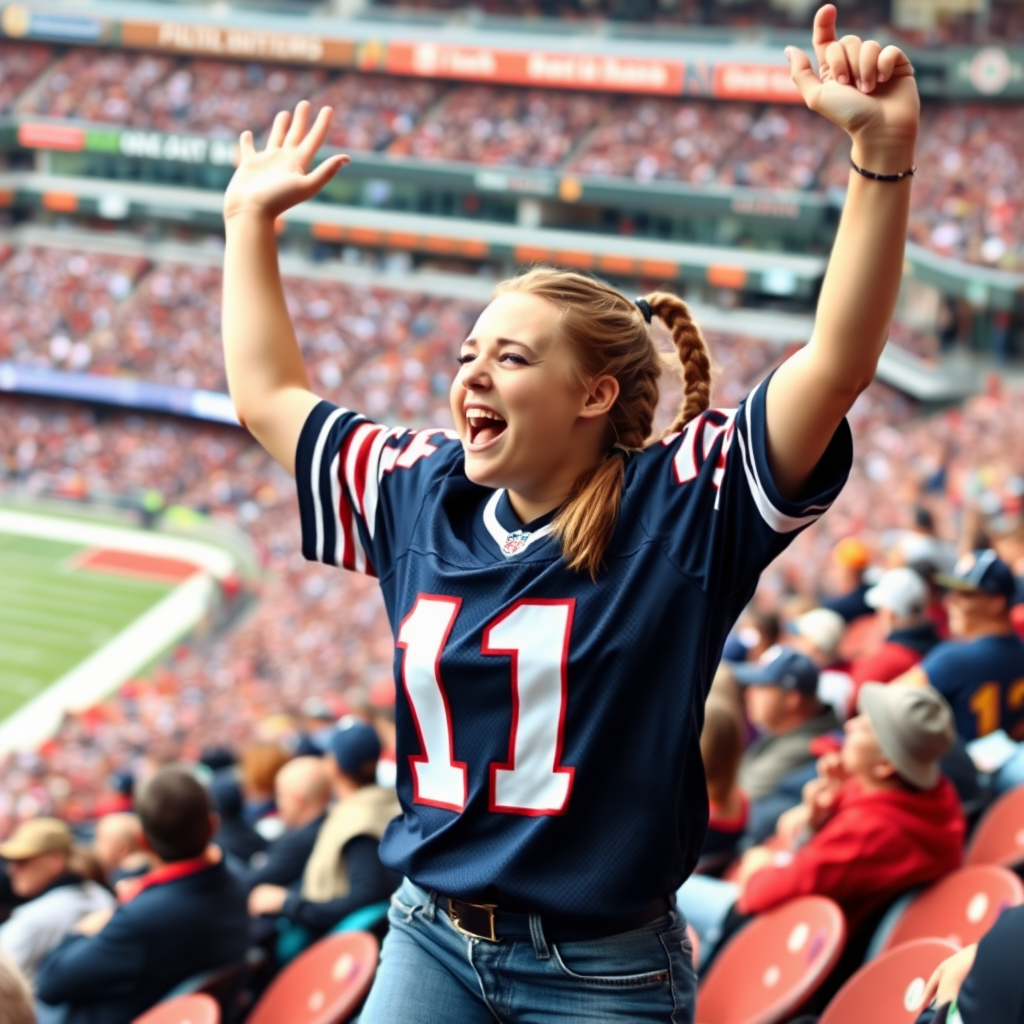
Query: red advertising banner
(765,83)
(535,67)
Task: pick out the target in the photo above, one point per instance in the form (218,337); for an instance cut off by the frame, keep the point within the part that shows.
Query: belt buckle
(488,908)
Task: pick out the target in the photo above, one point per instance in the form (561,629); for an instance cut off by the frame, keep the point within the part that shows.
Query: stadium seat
(889,990)
(197,1008)
(960,908)
(999,837)
(224,984)
(324,985)
(774,965)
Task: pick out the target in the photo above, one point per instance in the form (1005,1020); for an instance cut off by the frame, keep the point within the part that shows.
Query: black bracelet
(883,177)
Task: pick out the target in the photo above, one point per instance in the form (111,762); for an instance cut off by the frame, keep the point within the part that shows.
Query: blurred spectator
(234,834)
(819,633)
(781,697)
(260,764)
(721,748)
(185,916)
(880,820)
(344,872)
(980,669)
(59,883)
(303,790)
(851,559)
(15,997)
(900,600)
(118,846)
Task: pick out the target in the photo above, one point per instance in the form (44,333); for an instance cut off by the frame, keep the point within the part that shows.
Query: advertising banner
(534,67)
(237,42)
(19,22)
(994,72)
(762,83)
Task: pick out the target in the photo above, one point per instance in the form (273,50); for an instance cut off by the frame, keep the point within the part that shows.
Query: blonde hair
(609,336)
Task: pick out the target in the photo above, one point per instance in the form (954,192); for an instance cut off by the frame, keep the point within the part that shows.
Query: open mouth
(485,427)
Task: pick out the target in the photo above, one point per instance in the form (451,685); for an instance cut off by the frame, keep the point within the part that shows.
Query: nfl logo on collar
(515,542)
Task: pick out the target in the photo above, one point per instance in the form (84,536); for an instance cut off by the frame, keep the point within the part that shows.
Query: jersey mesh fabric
(604,805)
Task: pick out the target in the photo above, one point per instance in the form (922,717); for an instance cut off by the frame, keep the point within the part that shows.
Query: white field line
(75,531)
(110,666)
(135,646)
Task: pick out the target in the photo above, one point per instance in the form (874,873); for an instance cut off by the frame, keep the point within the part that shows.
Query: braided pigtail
(693,355)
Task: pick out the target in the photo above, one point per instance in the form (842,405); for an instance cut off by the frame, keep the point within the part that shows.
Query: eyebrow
(502,341)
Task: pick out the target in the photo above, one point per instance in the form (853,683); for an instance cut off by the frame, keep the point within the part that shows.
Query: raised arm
(870,93)
(266,376)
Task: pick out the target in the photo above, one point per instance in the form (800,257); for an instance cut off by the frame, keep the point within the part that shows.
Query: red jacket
(875,846)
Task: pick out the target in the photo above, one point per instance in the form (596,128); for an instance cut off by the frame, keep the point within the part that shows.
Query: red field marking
(132,563)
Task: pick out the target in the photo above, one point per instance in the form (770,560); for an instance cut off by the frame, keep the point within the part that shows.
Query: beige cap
(822,627)
(36,837)
(914,726)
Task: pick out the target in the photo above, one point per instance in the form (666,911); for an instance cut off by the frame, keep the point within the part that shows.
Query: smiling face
(525,420)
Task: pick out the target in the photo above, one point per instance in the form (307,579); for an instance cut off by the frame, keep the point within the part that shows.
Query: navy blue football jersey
(983,680)
(548,725)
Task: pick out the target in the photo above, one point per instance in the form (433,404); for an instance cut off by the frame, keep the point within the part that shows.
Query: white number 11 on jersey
(534,634)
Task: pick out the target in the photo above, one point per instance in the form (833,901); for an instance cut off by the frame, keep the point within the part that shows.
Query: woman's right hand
(269,182)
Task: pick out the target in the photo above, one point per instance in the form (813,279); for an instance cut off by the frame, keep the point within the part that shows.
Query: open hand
(862,88)
(944,984)
(276,179)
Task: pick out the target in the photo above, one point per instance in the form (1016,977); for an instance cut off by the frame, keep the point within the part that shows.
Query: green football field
(54,613)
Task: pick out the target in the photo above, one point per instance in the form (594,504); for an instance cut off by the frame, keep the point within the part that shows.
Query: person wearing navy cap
(344,872)
(981,670)
(780,693)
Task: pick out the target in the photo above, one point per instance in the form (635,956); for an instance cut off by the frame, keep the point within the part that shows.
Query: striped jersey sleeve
(711,495)
(361,486)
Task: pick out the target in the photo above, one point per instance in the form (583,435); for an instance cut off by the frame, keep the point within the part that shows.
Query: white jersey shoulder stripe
(314,471)
(776,519)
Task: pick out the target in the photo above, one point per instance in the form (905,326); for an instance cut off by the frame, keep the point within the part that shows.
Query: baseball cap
(852,553)
(36,837)
(353,743)
(914,726)
(901,591)
(981,572)
(822,627)
(781,667)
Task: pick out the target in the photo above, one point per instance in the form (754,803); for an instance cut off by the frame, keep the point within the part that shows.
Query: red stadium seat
(999,837)
(774,965)
(960,908)
(324,985)
(193,1009)
(889,990)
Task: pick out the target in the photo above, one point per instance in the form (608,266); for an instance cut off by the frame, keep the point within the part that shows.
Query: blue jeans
(706,902)
(432,974)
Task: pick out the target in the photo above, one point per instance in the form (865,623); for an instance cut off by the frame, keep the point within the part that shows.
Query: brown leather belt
(492,923)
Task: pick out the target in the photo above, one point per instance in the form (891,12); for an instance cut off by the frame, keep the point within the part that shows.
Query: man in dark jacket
(186,916)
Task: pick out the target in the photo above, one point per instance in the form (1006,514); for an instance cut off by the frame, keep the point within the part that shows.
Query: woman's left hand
(865,89)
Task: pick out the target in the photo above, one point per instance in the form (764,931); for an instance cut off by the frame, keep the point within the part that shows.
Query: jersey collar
(515,541)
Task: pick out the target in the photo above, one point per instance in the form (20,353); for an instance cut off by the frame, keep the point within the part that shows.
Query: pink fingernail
(881,78)
(843,80)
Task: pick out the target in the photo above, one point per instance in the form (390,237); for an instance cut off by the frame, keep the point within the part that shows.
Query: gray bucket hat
(914,726)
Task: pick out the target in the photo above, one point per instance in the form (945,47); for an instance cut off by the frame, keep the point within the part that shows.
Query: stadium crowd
(969,205)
